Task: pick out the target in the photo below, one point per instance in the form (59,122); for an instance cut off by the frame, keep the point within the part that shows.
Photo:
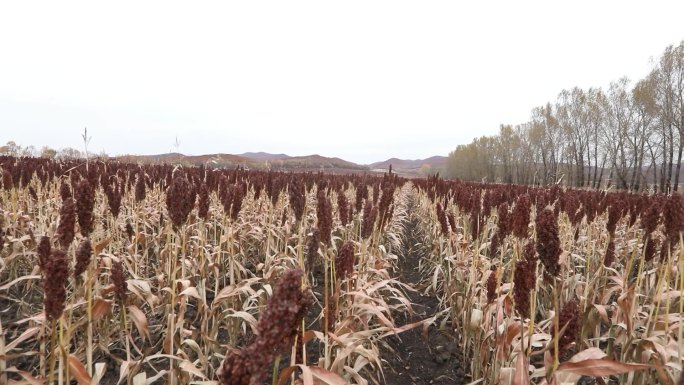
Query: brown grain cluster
(83,255)
(491,286)
(324,217)
(442,219)
(85,202)
(548,242)
(203,202)
(64,191)
(119,281)
(570,319)
(520,217)
(7,180)
(361,194)
(54,284)
(344,262)
(140,188)
(370,213)
(343,208)
(180,200)
(609,257)
(114,195)
(277,327)
(67,223)
(43,251)
(673,217)
(524,280)
(297,199)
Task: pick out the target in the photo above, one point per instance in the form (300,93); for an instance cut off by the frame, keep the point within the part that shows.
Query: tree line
(629,136)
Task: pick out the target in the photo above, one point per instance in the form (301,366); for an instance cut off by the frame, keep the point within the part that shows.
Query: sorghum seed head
(570,316)
(344,263)
(548,242)
(54,284)
(67,223)
(119,281)
(521,217)
(43,251)
(85,201)
(83,254)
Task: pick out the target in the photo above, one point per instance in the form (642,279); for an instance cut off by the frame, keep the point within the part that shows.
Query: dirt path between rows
(416,357)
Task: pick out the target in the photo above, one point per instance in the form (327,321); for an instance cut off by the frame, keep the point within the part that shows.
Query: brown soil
(415,357)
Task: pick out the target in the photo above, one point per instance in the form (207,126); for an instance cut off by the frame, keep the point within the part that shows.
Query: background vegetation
(630,136)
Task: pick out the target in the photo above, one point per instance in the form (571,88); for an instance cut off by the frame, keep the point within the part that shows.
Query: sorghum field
(117,273)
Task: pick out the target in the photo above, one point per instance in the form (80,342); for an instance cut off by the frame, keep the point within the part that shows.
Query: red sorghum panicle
(476,225)
(114,196)
(385,203)
(343,207)
(548,243)
(83,254)
(67,223)
(614,214)
(238,366)
(673,216)
(376,193)
(43,251)
(297,199)
(361,194)
(226,196)
(324,216)
(369,214)
(54,284)
(520,217)
(651,217)
(203,202)
(119,281)
(7,180)
(344,263)
(452,220)
(277,326)
(609,257)
(442,218)
(570,316)
(85,201)
(524,280)
(64,191)
(278,323)
(504,221)
(491,287)
(140,187)
(179,200)
(650,248)
(238,197)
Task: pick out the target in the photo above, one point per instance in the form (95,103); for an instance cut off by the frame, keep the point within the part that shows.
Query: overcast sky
(361,80)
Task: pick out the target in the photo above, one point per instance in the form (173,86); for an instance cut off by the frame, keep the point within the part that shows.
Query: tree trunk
(679,162)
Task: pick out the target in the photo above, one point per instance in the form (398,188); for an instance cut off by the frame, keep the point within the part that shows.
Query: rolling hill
(254,160)
(411,167)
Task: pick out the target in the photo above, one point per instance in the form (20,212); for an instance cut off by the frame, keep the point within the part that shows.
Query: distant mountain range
(264,160)
(412,167)
(264,156)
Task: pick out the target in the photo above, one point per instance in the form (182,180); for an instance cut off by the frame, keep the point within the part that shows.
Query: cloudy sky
(362,80)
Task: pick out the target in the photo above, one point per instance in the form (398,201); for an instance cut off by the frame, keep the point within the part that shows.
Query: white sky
(362,80)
